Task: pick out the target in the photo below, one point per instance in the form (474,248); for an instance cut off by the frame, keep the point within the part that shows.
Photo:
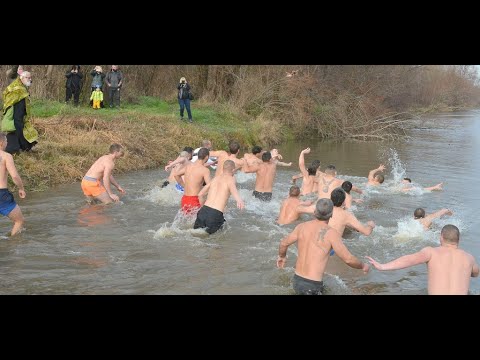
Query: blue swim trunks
(7,202)
(179,188)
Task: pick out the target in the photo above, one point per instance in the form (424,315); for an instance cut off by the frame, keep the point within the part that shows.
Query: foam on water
(165,196)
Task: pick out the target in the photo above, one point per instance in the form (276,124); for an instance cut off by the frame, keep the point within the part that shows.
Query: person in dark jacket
(73,84)
(184,97)
(97,81)
(114,82)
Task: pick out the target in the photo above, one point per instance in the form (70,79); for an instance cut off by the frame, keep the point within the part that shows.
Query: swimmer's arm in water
(178,177)
(439,213)
(116,184)
(281,163)
(437,187)
(284,244)
(342,252)
(106,181)
(357,190)
(232,186)
(358,201)
(178,160)
(421,257)
(12,170)
(371,174)
(202,194)
(354,223)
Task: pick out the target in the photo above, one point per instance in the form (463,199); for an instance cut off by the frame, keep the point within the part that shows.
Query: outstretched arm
(301,162)
(437,187)
(178,160)
(342,252)
(233,190)
(302,209)
(248,168)
(438,214)
(357,190)
(371,174)
(423,256)
(354,223)
(116,184)
(284,244)
(296,177)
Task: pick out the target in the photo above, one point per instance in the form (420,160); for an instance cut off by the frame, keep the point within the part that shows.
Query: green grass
(215,116)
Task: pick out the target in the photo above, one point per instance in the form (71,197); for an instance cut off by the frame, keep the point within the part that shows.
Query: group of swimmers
(449,267)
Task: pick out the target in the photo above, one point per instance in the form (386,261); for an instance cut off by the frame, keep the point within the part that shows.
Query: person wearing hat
(97,97)
(98,78)
(184,97)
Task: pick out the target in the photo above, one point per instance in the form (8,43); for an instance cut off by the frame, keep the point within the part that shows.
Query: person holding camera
(73,84)
(114,81)
(97,81)
(184,97)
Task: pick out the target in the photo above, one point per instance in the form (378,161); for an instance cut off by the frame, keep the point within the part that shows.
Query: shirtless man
(426,221)
(347,187)
(194,176)
(288,210)
(376,179)
(449,268)
(407,186)
(309,175)
(96,182)
(219,189)
(183,159)
(328,182)
(341,218)
(223,156)
(8,206)
(315,240)
(255,156)
(265,176)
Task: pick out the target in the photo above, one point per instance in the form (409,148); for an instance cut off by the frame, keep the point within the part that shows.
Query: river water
(141,246)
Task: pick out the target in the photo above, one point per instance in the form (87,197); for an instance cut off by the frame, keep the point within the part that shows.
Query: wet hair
(419,213)
(380,178)
(347,186)
(234,147)
(338,197)
(331,170)
(203,153)
(312,169)
(256,149)
(323,209)
(450,234)
(228,165)
(188,149)
(115,147)
(3,137)
(206,143)
(294,190)
(408,179)
(266,156)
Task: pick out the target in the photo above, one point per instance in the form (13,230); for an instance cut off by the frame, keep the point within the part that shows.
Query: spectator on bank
(98,77)
(184,97)
(73,84)
(114,82)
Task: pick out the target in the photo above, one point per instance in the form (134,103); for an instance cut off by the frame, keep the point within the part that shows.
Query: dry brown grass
(68,146)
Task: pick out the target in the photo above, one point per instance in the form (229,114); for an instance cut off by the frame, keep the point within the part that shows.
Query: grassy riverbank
(71,139)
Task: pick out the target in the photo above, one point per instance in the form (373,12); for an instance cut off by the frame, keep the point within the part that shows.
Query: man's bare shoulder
(5,155)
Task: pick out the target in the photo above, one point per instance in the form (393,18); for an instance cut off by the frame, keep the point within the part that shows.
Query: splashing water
(398,168)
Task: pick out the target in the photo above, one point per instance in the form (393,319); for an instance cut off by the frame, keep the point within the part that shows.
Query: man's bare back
(314,240)
(449,268)
(288,211)
(194,175)
(219,190)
